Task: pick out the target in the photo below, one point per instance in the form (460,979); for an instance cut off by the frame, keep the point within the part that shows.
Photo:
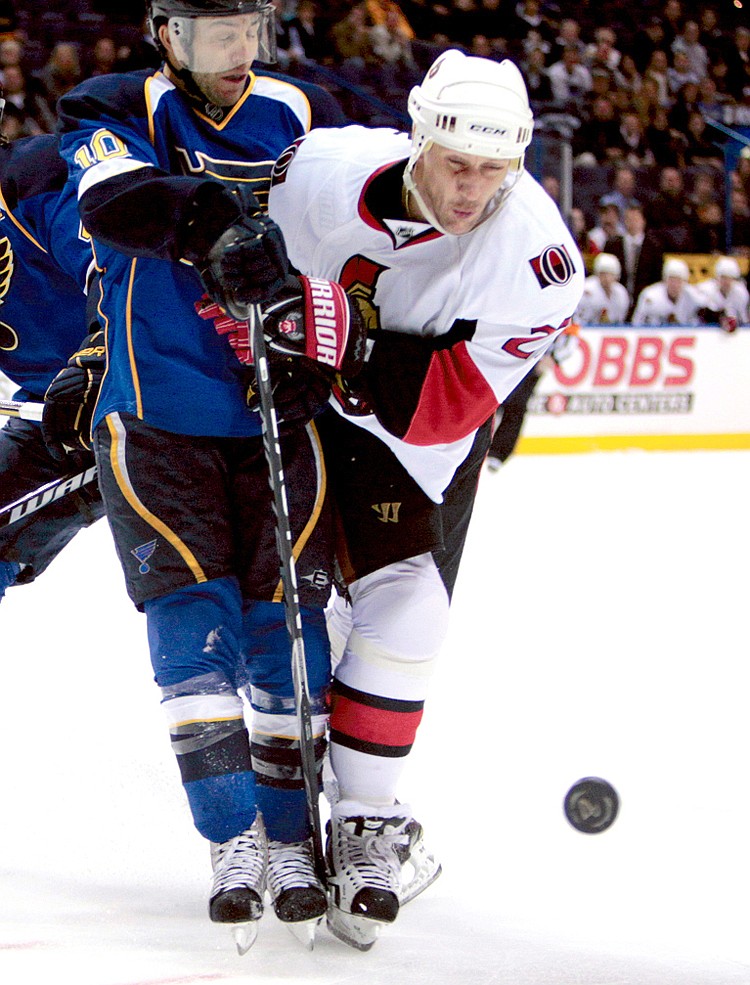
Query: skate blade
(357,932)
(304,931)
(244,935)
(416,875)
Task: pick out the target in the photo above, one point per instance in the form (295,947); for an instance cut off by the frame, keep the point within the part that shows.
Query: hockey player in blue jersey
(173,171)
(45,263)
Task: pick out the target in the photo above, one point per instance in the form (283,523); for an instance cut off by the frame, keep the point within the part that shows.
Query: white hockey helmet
(607,263)
(473,106)
(675,268)
(727,267)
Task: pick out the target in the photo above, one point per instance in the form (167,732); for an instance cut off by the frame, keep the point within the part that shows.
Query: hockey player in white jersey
(605,300)
(670,301)
(466,275)
(724,296)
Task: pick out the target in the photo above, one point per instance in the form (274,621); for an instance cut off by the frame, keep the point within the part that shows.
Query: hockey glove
(71,397)
(317,319)
(310,319)
(239,252)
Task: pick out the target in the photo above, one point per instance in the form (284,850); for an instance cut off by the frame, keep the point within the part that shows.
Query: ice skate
(299,899)
(239,879)
(365,880)
(419,867)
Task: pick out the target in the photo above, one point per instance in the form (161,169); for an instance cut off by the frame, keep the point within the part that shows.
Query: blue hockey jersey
(45,257)
(137,147)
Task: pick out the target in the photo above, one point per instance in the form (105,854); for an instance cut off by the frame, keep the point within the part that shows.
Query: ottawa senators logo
(359,278)
(553,267)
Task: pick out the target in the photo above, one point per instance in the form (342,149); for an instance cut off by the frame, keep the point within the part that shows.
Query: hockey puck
(591,805)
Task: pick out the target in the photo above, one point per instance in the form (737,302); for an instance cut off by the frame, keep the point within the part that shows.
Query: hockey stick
(48,493)
(277,482)
(27,410)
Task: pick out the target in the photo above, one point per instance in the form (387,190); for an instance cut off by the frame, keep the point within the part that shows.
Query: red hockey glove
(236,332)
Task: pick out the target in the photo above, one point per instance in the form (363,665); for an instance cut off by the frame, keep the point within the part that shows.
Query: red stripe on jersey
(455,399)
(380,726)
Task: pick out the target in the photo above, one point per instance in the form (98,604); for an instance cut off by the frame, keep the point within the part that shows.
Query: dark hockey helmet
(161,11)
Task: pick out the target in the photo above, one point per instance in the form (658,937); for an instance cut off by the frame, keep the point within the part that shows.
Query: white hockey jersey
(655,307)
(734,303)
(512,285)
(597,307)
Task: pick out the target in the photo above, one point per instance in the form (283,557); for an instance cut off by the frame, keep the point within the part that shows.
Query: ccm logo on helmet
(553,267)
(491,131)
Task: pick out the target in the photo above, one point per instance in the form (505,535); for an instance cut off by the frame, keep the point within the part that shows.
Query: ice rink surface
(600,627)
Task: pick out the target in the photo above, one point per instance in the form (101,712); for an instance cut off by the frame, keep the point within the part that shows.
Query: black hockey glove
(71,397)
(300,390)
(238,251)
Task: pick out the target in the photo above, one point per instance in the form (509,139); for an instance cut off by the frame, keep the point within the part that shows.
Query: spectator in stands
(632,145)
(608,226)
(685,103)
(672,19)
(657,70)
(307,35)
(537,79)
(740,217)
(624,190)
(700,147)
(679,74)
(391,46)
(62,72)
(605,301)
(597,139)
(670,212)
(351,38)
(627,76)
(529,22)
(569,36)
(33,112)
(711,35)
(101,58)
(704,188)
(688,42)
(647,99)
(570,81)
(669,301)
(647,40)
(602,53)
(639,251)
(378,11)
(665,142)
(579,228)
(738,64)
(709,231)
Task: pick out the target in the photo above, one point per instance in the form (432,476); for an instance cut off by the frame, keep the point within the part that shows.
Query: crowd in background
(639,84)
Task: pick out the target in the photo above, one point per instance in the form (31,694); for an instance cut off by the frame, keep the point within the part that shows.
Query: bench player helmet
(727,267)
(180,15)
(474,106)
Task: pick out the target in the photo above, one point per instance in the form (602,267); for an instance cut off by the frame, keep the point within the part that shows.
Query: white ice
(600,627)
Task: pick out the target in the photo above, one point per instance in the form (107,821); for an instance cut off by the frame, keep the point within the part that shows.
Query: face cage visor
(212,45)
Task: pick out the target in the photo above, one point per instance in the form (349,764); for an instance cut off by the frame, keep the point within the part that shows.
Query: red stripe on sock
(376,725)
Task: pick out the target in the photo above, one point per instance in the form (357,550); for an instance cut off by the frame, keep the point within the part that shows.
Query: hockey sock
(193,634)
(399,616)
(275,747)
